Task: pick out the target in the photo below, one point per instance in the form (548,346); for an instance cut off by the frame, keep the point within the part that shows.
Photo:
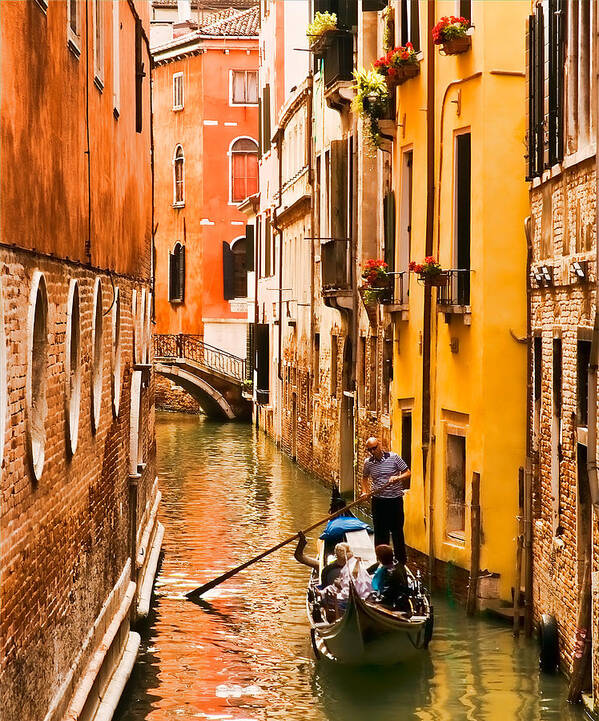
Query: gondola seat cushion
(336,528)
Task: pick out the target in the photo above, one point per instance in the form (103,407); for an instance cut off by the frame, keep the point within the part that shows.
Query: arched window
(178,177)
(176,274)
(235,269)
(244,169)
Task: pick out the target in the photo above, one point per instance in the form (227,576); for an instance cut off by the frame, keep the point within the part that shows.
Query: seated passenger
(332,570)
(390,580)
(380,579)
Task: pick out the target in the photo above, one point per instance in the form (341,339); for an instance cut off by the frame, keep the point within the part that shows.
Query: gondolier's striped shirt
(380,471)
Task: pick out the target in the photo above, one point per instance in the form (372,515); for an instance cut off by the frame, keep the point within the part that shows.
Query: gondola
(367,631)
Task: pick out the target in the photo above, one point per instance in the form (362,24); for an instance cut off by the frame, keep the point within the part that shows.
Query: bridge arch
(213,402)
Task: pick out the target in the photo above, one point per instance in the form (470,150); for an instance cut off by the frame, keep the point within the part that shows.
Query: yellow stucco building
(463,347)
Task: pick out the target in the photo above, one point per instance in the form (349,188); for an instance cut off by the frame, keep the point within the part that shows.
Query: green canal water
(245,654)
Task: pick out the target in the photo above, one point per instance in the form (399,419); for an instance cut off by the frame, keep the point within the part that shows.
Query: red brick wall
(170,397)
(63,538)
(560,311)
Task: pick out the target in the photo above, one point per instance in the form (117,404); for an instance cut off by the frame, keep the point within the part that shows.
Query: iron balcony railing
(456,292)
(397,294)
(192,347)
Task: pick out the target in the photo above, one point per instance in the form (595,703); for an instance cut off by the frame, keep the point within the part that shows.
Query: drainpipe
(528,557)
(427,320)
(309,107)
(594,359)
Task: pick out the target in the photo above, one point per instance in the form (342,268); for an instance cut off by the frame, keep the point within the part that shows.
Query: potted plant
(320,30)
(398,65)
(376,288)
(430,272)
(371,102)
(451,32)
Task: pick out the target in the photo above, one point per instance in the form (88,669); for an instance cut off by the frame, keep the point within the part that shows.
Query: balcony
(396,299)
(335,273)
(454,297)
(338,60)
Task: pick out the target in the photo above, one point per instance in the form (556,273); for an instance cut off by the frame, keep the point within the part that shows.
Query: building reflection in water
(245,652)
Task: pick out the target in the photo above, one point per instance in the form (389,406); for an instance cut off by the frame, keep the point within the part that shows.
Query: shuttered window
(546,59)
(176,266)
(249,247)
(228,287)
(139,76)
(389,220)
(410,23)
(266,131)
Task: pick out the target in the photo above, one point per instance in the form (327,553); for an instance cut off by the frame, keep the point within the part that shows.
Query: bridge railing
(192,347)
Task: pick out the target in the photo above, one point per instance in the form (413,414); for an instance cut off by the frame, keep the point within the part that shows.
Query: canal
(245,654)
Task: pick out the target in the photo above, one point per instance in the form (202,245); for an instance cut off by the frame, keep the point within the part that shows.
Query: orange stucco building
(205,131)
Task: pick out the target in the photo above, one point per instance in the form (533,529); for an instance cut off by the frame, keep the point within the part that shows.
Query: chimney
(183,11)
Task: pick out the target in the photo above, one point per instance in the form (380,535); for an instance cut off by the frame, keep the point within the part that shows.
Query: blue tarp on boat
(338,526)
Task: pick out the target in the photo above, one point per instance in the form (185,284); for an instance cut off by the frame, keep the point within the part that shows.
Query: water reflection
(244,653)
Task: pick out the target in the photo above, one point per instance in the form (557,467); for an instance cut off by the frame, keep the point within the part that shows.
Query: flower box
(455,46)
(451,33)
(403,73)
(438,280)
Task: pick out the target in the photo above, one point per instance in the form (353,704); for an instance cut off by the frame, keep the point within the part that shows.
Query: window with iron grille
(176,276)
(244,87)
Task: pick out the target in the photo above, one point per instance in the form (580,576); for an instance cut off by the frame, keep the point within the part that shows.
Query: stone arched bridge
(212,376)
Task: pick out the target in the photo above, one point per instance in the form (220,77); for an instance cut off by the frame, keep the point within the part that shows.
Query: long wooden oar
(197,592)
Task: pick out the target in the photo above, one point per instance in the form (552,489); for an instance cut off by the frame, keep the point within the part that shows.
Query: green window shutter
(389,219)
(249,247)
(228,274)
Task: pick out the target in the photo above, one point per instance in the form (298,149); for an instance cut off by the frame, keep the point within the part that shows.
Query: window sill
(42,5)
(73,46)
(463,310)
(243,105)
(99,83)
(175,301)
(179,205)
(457,539)
(176,108)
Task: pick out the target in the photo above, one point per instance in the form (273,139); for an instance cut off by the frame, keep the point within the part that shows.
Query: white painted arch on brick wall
(97,355)
(135,326)
(116,353)
(135,424)
(36,381)
(72,363)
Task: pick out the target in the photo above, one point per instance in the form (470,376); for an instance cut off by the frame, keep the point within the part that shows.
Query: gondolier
(387,504)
